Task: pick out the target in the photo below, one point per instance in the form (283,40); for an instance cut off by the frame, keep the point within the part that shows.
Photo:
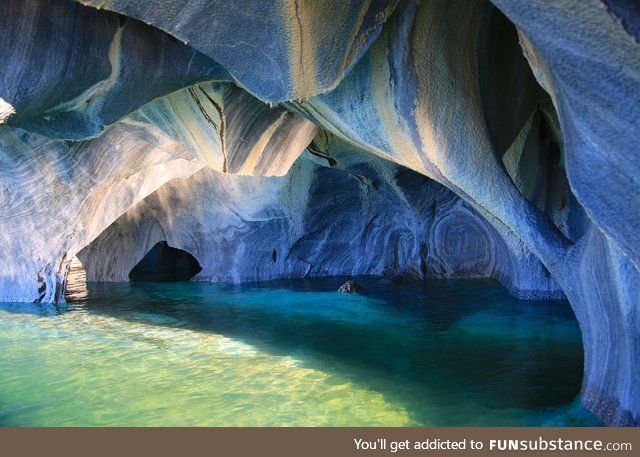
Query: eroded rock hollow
(432,139)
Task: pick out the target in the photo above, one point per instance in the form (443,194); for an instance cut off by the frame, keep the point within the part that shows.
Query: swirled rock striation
(292,138)
(337,212)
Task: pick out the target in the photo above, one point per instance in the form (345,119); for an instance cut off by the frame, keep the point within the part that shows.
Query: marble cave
(415,141)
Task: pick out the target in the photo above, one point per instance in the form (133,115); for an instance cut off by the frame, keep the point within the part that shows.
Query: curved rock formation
(517,127)
(87,68)
(229,130)
(337,213)
(305,46)
(419,81)
(593,78)
(55,198)
(89,184)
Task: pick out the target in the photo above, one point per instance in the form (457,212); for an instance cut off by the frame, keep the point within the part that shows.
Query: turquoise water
(290,353)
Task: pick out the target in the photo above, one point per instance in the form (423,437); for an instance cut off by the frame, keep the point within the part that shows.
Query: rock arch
(87,133)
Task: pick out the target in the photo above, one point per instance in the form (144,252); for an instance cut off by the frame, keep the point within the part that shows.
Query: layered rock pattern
(87,68)
(521,141)
(306,46)
(590,66)
(62,196)
(420,82)
(337,212)
(229,130)
(85,189)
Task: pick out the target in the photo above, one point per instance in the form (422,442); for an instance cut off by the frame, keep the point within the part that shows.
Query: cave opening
(164,263)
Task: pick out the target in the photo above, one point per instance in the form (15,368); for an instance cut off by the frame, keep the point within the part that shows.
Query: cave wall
(55,197)
(58,195)
(103,107)
(337,212)
(590,65)
(420,82)
(73,71)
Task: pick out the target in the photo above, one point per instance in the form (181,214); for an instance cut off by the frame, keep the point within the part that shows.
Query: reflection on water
(290,353)
(76,282)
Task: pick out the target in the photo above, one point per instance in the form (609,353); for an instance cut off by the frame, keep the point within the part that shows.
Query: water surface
(293,353)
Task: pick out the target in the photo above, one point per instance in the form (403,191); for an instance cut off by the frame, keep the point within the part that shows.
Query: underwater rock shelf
(433,139)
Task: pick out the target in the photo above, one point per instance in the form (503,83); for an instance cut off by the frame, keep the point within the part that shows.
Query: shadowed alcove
(165,264)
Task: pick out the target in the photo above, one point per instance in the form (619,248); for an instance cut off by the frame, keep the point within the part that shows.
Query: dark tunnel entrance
(164,263)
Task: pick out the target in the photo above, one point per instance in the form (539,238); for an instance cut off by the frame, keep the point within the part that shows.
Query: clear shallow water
(291,353)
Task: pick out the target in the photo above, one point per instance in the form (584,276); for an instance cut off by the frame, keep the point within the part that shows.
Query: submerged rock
(350,287)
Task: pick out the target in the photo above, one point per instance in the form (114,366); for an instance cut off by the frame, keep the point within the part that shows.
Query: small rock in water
(349,287)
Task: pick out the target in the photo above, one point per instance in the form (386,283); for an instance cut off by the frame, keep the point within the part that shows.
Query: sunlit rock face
(75,72)
(63,194)
(229,130)
(515,122)
(338,212)
(55,197)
